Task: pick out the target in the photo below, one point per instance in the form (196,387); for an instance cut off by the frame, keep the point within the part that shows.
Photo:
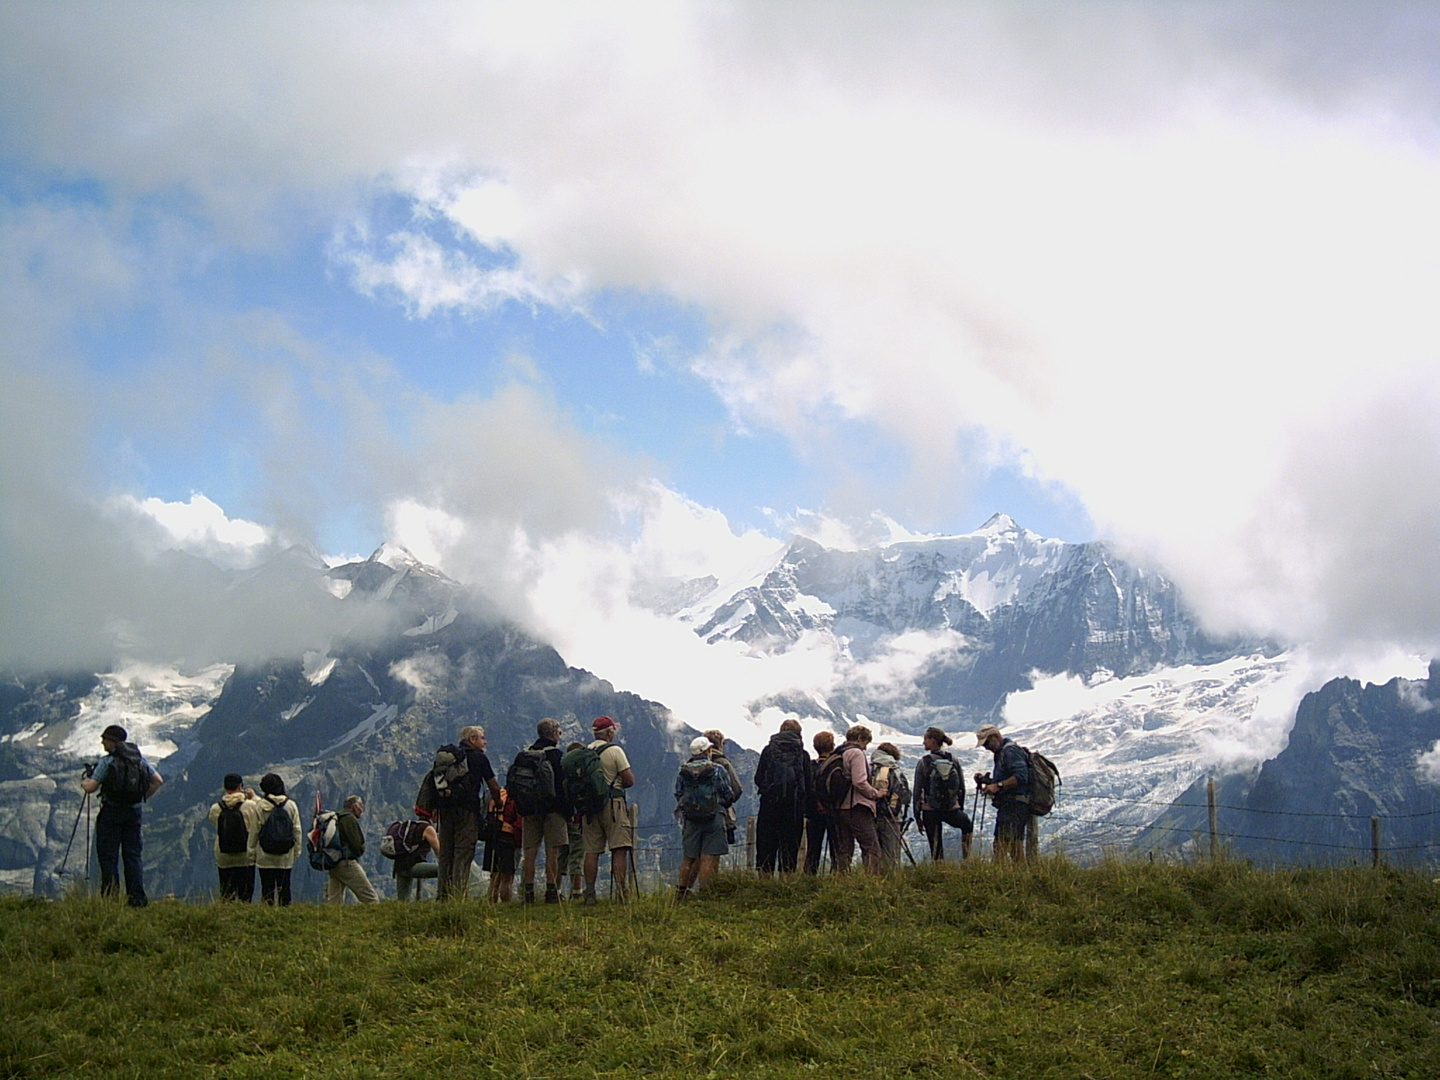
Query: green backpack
(583,778)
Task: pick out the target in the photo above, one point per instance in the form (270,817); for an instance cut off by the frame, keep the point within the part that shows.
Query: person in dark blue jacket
(1008,785)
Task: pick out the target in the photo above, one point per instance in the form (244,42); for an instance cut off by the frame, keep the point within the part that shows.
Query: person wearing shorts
(703,840)
(612,829)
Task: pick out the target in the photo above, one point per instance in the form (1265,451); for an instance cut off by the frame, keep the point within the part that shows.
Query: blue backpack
(699,790)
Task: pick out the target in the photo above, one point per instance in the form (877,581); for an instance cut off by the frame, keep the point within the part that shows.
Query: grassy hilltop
(1111,971)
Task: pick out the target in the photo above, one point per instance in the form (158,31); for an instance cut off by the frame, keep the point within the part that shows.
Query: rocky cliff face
(364,717)
(1355,752)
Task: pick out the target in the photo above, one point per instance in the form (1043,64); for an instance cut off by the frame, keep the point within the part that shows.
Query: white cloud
(1180,259)
(202,528)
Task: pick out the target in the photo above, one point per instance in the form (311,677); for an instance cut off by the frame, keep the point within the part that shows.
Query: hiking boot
(552,894)
(590,900)
(529,895)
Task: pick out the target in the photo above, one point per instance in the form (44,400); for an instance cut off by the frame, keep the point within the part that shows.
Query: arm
(155,781)
(433,839)
(860,775)
(919,785)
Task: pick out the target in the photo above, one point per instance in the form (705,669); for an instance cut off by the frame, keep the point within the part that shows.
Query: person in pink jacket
(855,815)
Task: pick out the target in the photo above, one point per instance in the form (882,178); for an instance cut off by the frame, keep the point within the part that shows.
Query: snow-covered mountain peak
(999,524)
(396,556)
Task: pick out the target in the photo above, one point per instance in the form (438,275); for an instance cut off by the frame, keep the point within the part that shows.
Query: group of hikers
(573,803)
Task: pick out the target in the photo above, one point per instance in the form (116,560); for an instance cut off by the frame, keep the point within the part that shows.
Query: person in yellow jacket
(236,820)
(275,866)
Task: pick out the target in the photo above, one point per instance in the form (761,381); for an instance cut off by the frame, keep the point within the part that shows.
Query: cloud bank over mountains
(1176,261)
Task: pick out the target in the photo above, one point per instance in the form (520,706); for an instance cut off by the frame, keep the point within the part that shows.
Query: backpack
(1044,779)
(277,832)
(699,790)
(897,792)
(584,779)
(327,849)
(944,786)
(232,831)
(531,782)
(402,839)
(784,775)
(124,783)
(833,780)
(450,775)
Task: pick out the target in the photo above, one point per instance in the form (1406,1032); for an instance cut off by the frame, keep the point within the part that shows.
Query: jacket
(351,834)
(267,805)
(251,813)
(862,792)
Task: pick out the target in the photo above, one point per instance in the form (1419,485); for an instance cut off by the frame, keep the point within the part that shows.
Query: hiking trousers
(933,822)
(819,840)
(459,832)
(237,883)
(275,885)
(856,825)
(349,874)
(117,840)
(777,838)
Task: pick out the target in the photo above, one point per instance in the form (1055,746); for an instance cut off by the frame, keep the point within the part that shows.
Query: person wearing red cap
(611,829)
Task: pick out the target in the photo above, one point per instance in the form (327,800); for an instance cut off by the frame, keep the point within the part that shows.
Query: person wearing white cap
(702,789)
(1008,785)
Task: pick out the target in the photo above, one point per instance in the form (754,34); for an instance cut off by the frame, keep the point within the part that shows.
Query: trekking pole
(900,828)
(79,812)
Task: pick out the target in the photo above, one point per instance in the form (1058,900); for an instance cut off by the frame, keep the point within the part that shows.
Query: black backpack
(530,781)
(783,781)
(232,831)
(450,773)
(943,783)
(277,834)
(402,839)
(833,780)
(124,783)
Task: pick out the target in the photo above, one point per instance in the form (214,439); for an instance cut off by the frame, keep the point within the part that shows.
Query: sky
(567,296)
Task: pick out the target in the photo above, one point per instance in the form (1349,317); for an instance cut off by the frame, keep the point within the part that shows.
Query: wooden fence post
(1375,842)
(1214,838)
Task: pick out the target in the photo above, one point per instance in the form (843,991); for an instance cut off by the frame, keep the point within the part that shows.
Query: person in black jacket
(783,780)
(819,823)
(459,825)
(549,825)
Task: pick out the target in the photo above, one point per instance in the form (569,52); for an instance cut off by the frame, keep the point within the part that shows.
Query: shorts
(704,837)
(610,829)
(549,828)
(499,857)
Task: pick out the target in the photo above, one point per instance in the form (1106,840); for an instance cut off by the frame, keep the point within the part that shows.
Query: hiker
(783,780)
(702,789)
(277,840)
(609,827)
(940,796)
(893,805)
(502,826)
(236,820)
(1008,785)
(717,755)
(572,861)
(125,780)
(538,767)
(460,808)
(819,821)
(853,799)
(409,843)
(348,873)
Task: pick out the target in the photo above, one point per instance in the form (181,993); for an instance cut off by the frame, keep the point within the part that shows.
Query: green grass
(1109,971)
